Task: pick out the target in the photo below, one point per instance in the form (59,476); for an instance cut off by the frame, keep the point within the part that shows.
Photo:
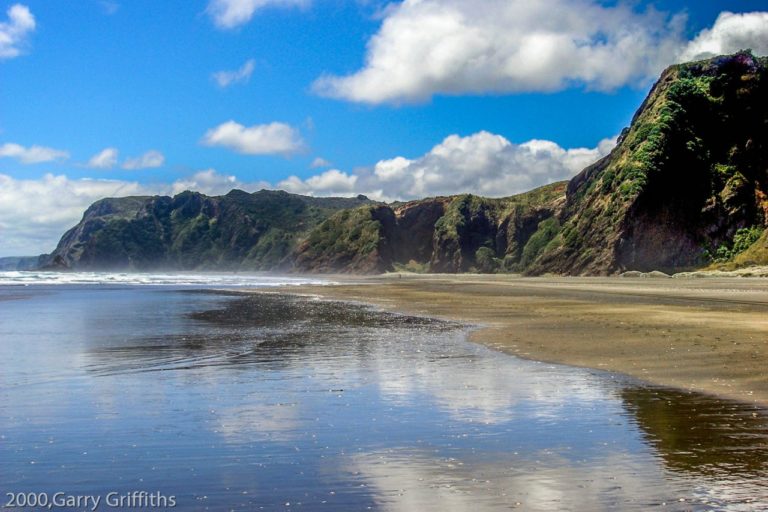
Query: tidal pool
(228,401)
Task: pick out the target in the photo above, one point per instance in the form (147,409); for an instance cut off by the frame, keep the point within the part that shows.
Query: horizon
(217,95)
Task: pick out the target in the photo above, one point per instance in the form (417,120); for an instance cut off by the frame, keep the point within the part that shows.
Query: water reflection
(541,481)
(249,402)
(696,434)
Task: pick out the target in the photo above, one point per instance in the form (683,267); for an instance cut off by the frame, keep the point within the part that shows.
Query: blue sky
(326,97)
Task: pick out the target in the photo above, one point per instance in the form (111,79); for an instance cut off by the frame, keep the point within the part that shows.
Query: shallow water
(274,402)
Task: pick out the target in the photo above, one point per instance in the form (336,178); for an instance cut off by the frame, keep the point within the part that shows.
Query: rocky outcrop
(686,178)
(442,234)
(192,231)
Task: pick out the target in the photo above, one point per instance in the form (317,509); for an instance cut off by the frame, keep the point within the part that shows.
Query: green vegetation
(756,254)
(468,237)
(665,131)
(411,266)
(544,235)
(352,232)
(688,172)
(193,231)
(347,241)
(742,240)
(486,260)
(454,220)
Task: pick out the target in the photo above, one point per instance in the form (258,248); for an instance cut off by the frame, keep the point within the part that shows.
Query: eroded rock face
(193,231)
(414,229)
(442,234)
(690,172)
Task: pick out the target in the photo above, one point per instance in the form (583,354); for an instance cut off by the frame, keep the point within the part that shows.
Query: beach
(252,401)
(707,335)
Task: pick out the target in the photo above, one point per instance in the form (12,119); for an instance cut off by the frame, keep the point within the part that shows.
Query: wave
(230,279)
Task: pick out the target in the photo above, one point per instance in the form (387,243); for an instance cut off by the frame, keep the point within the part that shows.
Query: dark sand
(708,335)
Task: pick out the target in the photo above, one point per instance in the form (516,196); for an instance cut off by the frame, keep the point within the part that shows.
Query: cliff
(192,231)
(685,187)
(443,234)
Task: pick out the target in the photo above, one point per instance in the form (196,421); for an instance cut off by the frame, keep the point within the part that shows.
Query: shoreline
(704,335)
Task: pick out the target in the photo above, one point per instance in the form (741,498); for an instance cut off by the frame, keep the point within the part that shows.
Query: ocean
(161,391)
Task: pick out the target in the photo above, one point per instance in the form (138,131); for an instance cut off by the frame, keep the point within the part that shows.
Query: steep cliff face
(684,179)
(443,234)
(193,231)
(349,241)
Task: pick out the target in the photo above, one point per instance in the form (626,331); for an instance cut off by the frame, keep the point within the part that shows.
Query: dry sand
(708,335)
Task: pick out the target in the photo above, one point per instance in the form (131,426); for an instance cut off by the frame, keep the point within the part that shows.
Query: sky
(394,100)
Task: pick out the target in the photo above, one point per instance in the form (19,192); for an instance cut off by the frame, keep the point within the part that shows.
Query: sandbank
(707,335)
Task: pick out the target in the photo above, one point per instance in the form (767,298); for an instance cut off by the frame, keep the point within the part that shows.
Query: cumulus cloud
(228,14)
(14,32)
(104,159)
(730,33)
(263,139)
(35,213)
(241,75)
(148,160)
(482,163)
(32,154)
(329,183)
(426,47)
(320,162)
(212,182)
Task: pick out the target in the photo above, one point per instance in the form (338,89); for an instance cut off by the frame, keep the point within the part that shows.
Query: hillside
(686,187)
(444,234)
(193,231)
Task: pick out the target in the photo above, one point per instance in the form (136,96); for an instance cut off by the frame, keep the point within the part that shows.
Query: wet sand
(708,335)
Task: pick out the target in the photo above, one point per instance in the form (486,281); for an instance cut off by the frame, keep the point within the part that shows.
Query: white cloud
(242,75)
(35,213)
(320,162)
(213,183)
(263,139)
(32,154)
(427,47)
(730,33)
(109,7)
(482,163)
(330,183)
(148,160)
(229,14)
(104,159)
(14,32)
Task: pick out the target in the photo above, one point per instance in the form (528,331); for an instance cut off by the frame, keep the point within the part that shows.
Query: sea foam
(161,278)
